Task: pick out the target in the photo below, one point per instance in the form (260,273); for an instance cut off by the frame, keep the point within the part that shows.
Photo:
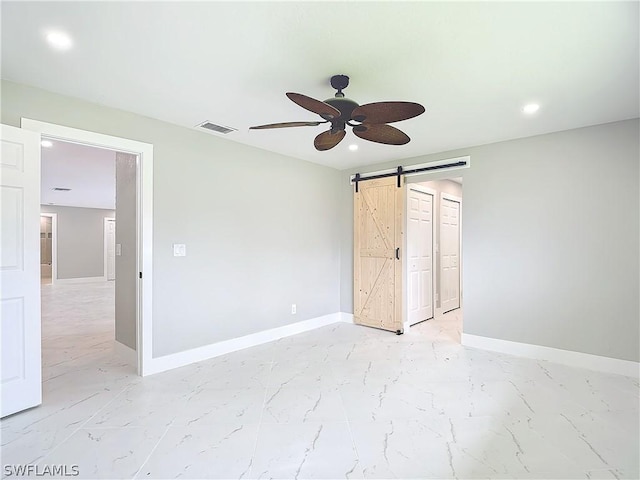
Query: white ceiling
(472,65)
(89,172)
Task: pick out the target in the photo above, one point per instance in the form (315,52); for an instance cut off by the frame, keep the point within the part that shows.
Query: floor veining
(341,401)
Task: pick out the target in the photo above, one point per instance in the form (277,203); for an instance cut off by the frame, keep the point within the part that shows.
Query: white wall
(80,240)
(259,227)
(550,232)
(550,228)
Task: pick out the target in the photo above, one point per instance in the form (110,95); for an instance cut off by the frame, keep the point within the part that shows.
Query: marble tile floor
(339,402)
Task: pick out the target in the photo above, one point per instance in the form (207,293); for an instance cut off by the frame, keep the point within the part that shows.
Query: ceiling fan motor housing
(346,107)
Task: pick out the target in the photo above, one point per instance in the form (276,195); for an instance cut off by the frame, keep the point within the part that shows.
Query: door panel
(378,209)
(450,254)
(420,255)
(20,270)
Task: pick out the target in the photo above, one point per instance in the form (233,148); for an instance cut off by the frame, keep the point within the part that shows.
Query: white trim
(144,216)
(105,248)
(405,306)
(71,281)
(127,354)
(346,317)
(54,245)
(180,359)
(565,357)
(453,198)
(466,158)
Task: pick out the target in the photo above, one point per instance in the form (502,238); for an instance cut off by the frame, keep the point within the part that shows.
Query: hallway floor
(342,401)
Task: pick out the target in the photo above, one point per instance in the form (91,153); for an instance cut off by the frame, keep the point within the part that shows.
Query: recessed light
(46,143)
(531,108)
(59,40)
(353,147)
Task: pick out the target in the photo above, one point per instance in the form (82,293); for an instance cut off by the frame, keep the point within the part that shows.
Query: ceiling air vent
(61,189)
(216,128)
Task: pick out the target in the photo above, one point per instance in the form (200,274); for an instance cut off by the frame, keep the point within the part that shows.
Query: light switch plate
(118,249)
(179,250)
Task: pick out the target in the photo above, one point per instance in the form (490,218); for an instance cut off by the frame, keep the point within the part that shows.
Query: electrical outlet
(179,250)
(293,309)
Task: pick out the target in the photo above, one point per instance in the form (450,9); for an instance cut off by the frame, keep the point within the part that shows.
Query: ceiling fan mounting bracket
(339,82)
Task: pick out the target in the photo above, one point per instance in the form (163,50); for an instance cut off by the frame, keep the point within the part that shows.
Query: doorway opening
(79,187)
(433,280)
(48,247)
(399,282)
(132,294)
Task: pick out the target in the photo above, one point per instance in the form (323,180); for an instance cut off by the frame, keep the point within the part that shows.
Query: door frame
(453,198)
(105,249)
(54,245)
(144,218)
(429,191)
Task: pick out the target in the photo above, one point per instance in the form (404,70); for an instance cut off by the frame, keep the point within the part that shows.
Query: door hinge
(140,274)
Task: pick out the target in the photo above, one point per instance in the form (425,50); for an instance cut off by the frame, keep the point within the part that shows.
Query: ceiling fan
(368,122)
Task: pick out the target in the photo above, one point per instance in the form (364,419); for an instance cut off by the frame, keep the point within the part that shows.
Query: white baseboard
(180,359)
(566,357)
(126,353)
(79,280)
(346,317)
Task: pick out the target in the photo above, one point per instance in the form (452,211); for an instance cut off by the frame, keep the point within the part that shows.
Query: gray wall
(80,240)
(441,186)
(259,227)
(550,239)
(126,265)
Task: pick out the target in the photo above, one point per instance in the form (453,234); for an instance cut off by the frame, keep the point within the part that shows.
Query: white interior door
(110,248)
(20,270)
(419,254)
(450,253)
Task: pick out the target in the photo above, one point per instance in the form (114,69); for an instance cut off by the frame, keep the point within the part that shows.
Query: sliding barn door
(378,217)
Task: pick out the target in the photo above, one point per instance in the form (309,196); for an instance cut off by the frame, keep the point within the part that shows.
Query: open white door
(20,270)
(450,252)
(420,271)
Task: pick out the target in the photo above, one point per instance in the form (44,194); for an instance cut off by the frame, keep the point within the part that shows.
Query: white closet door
(450,254)
(419,254)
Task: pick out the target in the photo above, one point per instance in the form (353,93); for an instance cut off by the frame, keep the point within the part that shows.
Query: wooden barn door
(378,220)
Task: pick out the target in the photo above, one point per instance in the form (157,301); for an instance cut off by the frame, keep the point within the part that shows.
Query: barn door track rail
(449,164)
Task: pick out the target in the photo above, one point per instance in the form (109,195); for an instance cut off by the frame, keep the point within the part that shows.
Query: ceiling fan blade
(323,109)
(386,112)
(381,133)
(329,139)
(287,124)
